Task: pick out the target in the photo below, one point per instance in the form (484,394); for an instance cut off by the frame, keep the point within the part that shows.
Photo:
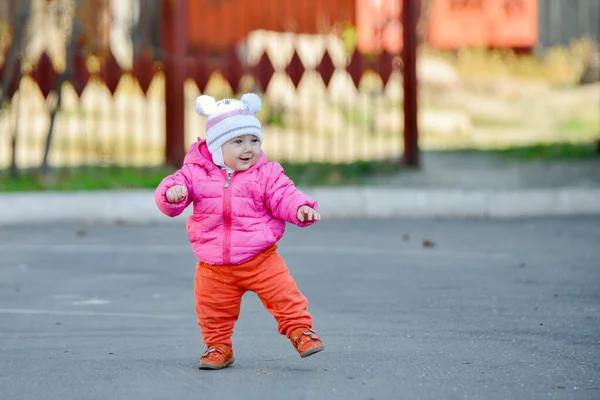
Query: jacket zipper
(227,219)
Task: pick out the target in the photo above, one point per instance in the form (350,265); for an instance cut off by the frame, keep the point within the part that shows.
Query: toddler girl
(241,205)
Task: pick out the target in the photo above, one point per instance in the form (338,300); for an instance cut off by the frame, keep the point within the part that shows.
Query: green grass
(303,174)
(84,179)
(327,174)
(543,152)
(549,152)
(100,178)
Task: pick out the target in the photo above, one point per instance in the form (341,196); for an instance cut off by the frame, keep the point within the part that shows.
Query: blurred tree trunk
(62,78)
(12,71)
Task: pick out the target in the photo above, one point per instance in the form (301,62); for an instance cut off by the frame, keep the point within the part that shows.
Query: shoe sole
(312,351)
(215,366)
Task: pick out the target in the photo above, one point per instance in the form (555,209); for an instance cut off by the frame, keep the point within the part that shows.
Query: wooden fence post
(173,31)
(410,18)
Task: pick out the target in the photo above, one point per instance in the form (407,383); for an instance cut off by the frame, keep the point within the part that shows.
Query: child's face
(242,152)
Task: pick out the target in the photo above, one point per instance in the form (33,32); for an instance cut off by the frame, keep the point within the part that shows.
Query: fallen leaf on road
(428,243)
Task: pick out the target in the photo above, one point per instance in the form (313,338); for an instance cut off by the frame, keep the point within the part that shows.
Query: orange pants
(219,289)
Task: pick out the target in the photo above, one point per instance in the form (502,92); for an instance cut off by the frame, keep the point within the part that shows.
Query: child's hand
(307,214)
(176,193)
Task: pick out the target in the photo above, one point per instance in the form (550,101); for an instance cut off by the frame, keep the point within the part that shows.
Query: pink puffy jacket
(233,223)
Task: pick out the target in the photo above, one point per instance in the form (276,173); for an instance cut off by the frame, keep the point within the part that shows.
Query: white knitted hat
(228,119)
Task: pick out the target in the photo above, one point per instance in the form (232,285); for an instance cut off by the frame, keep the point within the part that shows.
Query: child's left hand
(307,214)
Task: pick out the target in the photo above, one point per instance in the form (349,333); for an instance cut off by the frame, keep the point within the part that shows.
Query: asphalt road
(490,310)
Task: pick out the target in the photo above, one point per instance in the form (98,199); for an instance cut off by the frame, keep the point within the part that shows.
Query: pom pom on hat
(253,102)
(205,105)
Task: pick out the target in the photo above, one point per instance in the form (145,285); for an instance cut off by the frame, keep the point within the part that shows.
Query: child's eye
(255,140)
(238,141)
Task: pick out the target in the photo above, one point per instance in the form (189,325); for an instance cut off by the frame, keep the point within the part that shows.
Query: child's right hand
(176,193)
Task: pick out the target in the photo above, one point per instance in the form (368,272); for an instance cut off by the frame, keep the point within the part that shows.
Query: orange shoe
(306,341)
(217,356)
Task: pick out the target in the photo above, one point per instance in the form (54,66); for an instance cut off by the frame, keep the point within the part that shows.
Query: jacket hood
(200,155)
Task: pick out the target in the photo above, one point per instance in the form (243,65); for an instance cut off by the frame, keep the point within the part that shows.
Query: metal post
(410,18)
(173,32)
